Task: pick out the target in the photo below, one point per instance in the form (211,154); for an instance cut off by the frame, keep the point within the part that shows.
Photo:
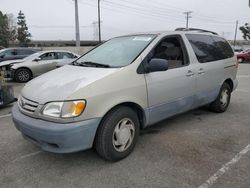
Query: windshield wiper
(90,63)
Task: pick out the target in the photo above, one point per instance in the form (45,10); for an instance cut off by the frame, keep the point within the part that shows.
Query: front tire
(22,75)
(118,133)
(222,101)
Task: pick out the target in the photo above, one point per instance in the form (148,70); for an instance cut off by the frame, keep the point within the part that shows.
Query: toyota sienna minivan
(105,97)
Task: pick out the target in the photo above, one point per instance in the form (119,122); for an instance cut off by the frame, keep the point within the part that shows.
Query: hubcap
(224,97)
(23,76)
(123,134)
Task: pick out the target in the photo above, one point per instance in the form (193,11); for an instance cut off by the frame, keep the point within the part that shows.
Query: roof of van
(175,32)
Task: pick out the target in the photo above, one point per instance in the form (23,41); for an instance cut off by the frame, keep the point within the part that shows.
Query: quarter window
(223,46)
(210,48)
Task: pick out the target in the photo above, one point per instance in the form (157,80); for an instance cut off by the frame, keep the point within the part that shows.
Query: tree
(12,24)
(245,29)
(4,30)
(23,35)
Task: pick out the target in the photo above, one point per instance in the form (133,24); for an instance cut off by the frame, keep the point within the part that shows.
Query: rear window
(210,48)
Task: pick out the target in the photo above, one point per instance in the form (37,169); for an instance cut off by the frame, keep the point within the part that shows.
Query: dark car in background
(16,53)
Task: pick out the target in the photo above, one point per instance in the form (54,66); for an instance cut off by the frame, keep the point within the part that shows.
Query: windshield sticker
(142,38)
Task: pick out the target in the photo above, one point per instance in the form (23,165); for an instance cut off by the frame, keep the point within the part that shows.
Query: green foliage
(4,30)
(23,35)
(245,31)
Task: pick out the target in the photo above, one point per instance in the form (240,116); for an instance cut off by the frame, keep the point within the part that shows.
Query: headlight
(66,109)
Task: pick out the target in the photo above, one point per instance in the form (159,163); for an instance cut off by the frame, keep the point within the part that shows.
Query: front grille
(27,105)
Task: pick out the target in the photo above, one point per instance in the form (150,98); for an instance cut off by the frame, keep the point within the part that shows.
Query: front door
(46,63)
(172,91)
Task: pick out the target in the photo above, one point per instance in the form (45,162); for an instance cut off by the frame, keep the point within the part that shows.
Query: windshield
(32,56)
(117,52)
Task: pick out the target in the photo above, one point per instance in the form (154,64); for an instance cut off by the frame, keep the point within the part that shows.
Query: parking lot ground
(195,149)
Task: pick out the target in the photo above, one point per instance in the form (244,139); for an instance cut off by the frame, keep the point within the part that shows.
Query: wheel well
(26,69)
(230,83)
(137,108)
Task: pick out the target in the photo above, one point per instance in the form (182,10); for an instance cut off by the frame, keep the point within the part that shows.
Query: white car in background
(65,62)
(35,64)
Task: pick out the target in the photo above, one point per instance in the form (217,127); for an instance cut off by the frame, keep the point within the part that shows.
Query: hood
(59,84)
(4,63)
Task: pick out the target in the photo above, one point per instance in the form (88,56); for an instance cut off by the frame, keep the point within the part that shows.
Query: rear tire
(117,134)
(241,60)
(222,101)
(22,75)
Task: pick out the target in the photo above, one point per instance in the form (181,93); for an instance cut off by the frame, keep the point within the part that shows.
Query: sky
(55,19)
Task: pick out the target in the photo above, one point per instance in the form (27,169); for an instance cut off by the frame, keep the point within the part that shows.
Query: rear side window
(224,47)
(24,52)
(64,55)
(210,48)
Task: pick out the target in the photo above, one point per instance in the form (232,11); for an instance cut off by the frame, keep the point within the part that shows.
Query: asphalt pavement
(195,149)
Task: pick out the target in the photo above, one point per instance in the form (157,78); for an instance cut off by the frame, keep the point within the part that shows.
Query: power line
(160,6)
(152,13)
(163,9)
(123,10)
(155,12)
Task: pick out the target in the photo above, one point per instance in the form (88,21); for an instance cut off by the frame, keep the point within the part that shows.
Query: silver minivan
(105,97)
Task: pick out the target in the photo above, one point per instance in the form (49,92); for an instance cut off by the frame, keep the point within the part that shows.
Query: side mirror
(156,65)
(38,59)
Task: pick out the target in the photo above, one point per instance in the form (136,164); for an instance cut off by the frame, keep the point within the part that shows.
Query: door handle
(201,71)
(189,73)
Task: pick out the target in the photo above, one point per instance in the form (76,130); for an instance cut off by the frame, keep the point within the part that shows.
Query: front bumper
(6,95)
(56,137)
(7,74)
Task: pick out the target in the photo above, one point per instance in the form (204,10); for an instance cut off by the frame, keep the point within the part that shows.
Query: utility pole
(187,13)
(99,22)
(77,24)
(95,30)
(235,33)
